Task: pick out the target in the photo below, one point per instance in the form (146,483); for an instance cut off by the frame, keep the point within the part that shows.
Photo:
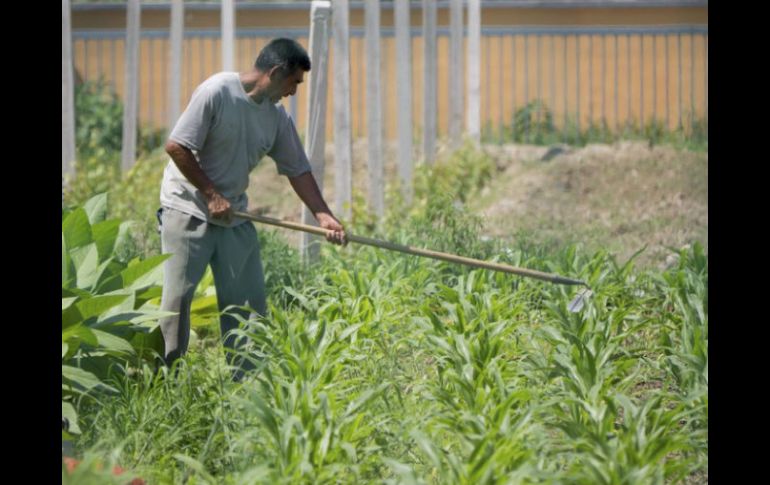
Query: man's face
(282,85)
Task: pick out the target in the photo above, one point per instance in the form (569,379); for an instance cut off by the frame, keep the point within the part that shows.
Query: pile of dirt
(620,197)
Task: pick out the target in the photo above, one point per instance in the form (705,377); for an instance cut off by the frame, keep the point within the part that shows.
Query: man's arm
(183,157)
(307,189)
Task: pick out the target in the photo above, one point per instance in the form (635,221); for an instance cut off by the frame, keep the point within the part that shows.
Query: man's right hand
(219,207)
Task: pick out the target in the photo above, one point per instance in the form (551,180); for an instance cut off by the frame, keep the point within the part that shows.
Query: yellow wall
(502,80)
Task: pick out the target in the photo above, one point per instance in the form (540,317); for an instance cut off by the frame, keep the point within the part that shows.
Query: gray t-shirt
(229,134)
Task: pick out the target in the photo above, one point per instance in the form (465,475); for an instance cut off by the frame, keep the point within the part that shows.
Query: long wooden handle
(452,258)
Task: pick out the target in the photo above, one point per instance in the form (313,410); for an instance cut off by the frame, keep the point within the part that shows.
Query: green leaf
(67,411)
(96,208)
(112,343)
(82,378)
(81,332)
(105,234)
(135,317)
(64,349)
(197,466)
(76,229)
(97,305)
(126,306)
(86,259)
(204,305)
(427,447)
(348,331)
(67,271)
(132,276)
(66,302)
(123,242)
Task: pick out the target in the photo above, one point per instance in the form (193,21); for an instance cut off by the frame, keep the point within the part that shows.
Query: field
(376,367)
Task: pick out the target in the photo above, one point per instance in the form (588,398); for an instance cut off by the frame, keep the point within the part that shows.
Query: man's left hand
(329,222)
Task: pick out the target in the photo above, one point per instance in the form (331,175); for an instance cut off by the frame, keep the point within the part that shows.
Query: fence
(583,75)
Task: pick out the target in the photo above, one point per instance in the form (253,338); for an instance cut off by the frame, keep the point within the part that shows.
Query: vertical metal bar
(502,91)
(617,87)
(85,60)
(706,78)
(526,69)
(566,91)
(201,59)
(214,58)
(679,57)
(641,81)
(538,74)
(577,59)
(526,87)
(668,111)
(513,87)
(552,103)
(628,114)
(487,117)
(164,80)
(190,77)
(99,59)
(654,78)
(590,80)
(113,64)
(692,80)
(361,89)
(604,81)
(151,77)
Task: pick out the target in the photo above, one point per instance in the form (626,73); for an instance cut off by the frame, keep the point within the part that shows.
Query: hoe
(575,305)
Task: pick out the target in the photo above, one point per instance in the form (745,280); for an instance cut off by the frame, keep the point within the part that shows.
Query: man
(231,122)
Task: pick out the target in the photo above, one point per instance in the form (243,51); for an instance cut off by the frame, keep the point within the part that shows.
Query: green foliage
(378,367)
(534,124)
(98,141)
(105,315)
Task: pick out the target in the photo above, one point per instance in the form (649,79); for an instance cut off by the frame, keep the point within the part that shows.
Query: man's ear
(275,72)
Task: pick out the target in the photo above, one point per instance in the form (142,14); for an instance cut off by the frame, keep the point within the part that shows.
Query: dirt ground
(619,197)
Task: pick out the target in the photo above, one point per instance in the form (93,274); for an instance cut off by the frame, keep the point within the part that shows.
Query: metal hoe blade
(577,303)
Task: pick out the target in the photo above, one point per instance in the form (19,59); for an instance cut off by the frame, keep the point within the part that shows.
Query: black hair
(287,53)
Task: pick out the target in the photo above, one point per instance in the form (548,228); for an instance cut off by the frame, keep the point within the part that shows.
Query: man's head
(285,62)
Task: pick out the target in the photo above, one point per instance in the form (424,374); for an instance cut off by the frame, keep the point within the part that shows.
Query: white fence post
(374,108)
(315,135)
(228,35)
(473,120)
(176,35)
(455,71)
(67,95)
(404,93)
(430,86)
(131,97)
(343,166)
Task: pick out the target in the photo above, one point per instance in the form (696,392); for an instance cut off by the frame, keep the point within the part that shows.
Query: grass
(376,367)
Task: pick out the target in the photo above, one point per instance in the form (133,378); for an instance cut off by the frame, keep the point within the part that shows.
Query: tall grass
(376,367)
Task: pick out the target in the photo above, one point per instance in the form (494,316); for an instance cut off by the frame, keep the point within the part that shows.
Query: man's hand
(219,207)
(327,221)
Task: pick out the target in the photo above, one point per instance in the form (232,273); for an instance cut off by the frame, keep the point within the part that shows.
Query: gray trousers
(238,278)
